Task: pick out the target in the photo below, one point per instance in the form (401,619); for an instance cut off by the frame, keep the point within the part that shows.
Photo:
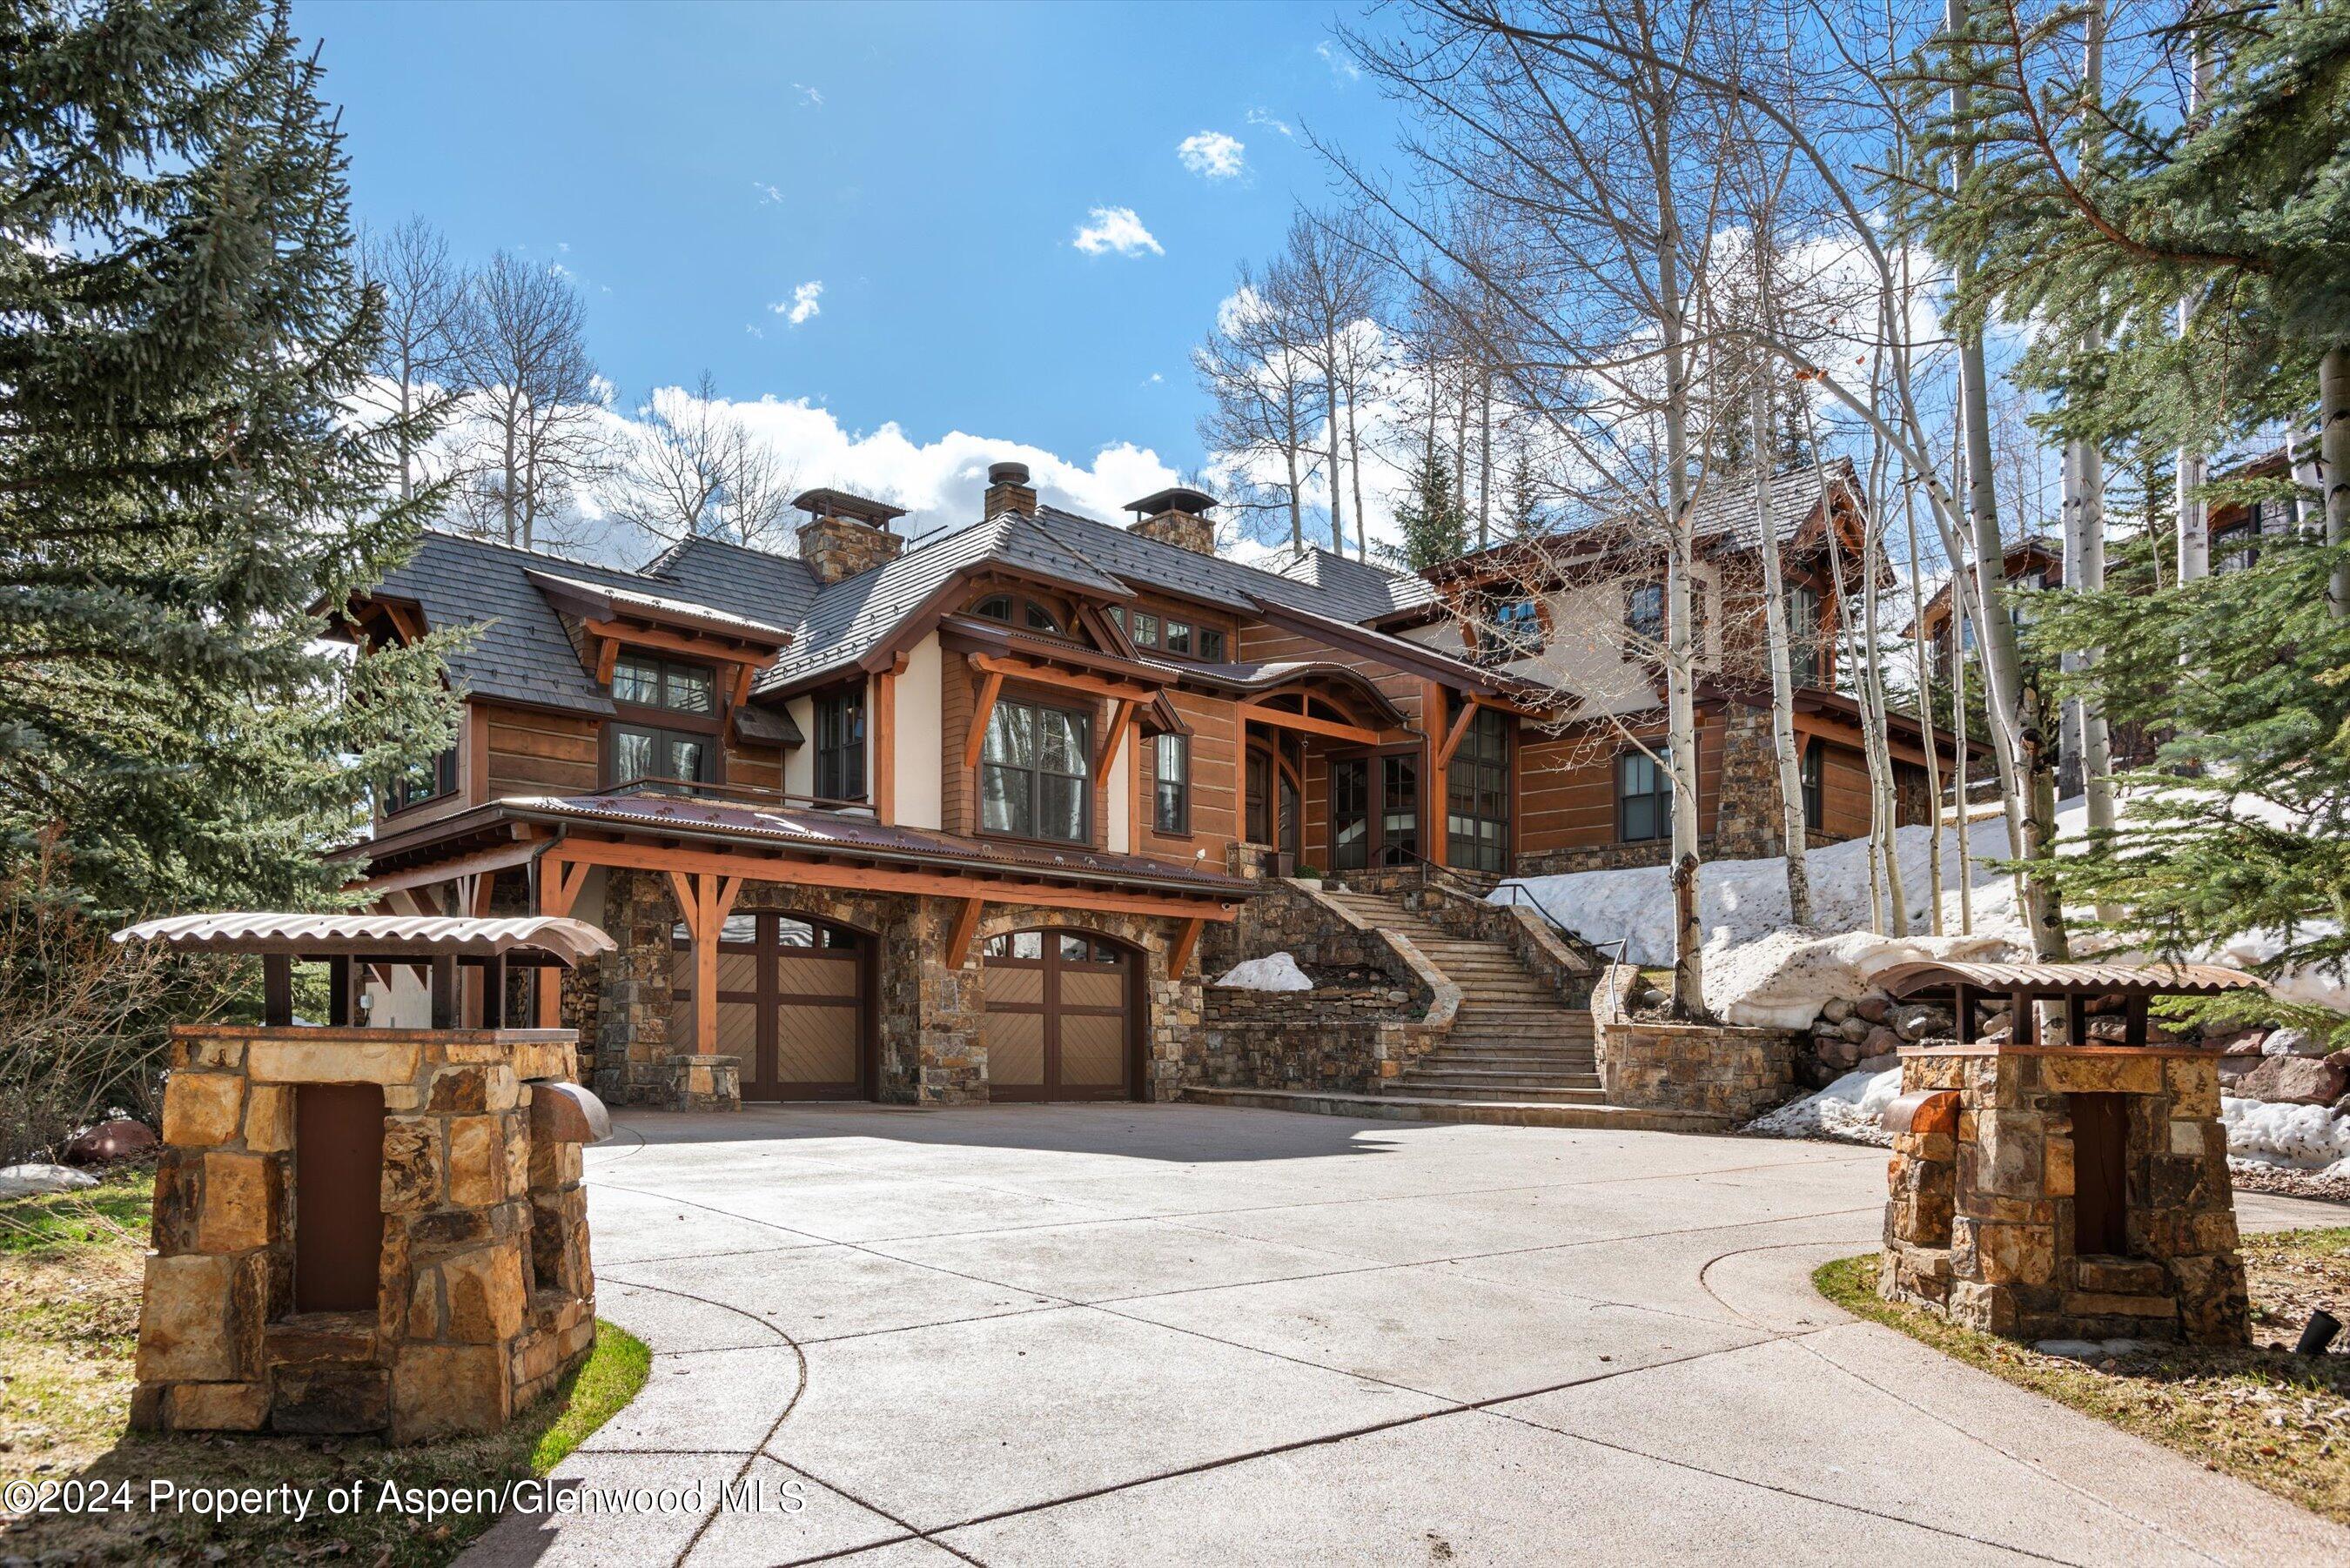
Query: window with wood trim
(1804,633)
(1477,795)
(1644,616)
(1146,629)
(1171,784)
(427,779)
(840,745)
(1025,612)
(1211,645)
(1035,773)
(1644,795)
(1814,781)
(644,681)
(638,752)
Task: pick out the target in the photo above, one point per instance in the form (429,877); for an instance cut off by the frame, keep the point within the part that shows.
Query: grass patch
(70,1265)
(2278,1420)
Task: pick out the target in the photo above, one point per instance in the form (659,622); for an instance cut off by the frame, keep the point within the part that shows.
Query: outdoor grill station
(368,1230)
(2068,1190)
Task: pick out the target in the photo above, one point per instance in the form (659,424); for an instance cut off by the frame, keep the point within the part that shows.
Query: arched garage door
(1061,1016)
(794,1004)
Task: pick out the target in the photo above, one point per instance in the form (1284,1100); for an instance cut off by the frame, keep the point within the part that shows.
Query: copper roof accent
(1905,980)
(823,501)
(816,831)
(380,937)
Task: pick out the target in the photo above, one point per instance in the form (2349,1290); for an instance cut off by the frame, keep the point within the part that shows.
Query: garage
(1060,1017)
(794,1005)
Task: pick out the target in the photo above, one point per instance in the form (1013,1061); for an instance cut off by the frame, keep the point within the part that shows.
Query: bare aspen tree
(1923,677)
(424,294)
(1794,828)
(536,406)
(692,468)
(1259,391)
(1334,279)
(2088,745)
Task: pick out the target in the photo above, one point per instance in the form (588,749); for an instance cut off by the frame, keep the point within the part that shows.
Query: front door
(792,1006)
(1373,810)
(1059,1021)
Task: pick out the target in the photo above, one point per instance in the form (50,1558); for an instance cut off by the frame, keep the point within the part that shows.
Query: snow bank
(1847,1110)
(1781,980)
(2304,1138)
(1275,972)
(2311,985)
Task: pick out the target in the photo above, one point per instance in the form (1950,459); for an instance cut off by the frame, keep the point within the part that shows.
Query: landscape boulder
(2292,1042)
(115,1138)
(2297,1080)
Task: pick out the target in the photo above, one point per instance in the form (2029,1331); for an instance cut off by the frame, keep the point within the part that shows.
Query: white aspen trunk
(1794,831)
(1887,814)
(2084,507)
(1917,648)
(1355,472)
(2194,469)
(2333,457)
(1485,459)
(1337,479)
(1959,621)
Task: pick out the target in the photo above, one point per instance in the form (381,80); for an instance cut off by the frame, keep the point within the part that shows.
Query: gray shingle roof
(1354,590)
(1324,583)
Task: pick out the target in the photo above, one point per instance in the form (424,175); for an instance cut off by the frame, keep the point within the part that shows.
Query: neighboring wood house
(929,825)
(1580,615)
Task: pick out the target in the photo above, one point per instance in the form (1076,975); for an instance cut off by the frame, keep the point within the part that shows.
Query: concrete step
(1429,1108)
(1508,1059)
(1503,1085)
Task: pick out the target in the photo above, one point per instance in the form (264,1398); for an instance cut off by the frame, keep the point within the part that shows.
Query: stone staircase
(1514,1041)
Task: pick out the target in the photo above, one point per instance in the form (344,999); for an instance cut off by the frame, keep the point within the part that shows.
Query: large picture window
(1644,797)
(427,779)
(1477,795)
(1172,789)
(840,746)
(1035,773)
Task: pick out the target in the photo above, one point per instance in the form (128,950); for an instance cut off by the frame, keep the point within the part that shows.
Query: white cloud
(1269,120)
(1341,67)
(802,304)
(1115,229)
(1211,153)
(766,193)
(808,95)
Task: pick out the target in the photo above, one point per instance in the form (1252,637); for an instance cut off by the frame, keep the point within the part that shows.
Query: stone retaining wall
(1708,1069)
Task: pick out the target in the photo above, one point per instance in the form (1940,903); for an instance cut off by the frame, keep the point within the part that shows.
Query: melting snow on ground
(2270,1132)
(1782,979)
(1275,972)
(1846,1111)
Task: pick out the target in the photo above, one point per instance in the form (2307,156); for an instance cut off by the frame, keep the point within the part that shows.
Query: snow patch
(1847,1110)
(1781,980)
(2270,1132)
(1275,972)
(24,1181)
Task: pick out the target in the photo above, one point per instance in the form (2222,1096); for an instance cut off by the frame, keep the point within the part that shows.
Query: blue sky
(930,166)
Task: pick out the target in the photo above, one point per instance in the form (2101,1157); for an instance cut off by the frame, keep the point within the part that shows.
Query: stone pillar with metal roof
(368,1230)
(2073,1188)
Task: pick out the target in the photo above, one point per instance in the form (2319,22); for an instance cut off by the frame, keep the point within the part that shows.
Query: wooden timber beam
(695,644)
(1179,952)
(1112,735)
(608,659)
(1432,723)
(989,691)
(1452,736)
(1045,675)
(1842,735)
(1133,789)
(882,880)
(885,742)
(744,675)
(499,859)
(1289,770)
(1280,718)
(559,882)
(966,922)
(705,898)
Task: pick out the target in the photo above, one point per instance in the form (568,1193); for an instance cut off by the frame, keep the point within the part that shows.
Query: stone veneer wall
(1288,917)
(1335,1038)
(1979,1222)
(1746,814)
(1708,1069)
(933,1050)
(1568,963)
(486,1292)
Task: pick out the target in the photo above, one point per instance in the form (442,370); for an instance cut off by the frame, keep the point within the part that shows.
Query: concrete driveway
(1131,1334)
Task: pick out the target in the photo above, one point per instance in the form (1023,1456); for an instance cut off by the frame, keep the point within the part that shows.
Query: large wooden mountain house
(946,824)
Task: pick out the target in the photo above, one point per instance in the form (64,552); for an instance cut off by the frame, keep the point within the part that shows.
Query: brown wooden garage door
(1060,1017)
(794,1005)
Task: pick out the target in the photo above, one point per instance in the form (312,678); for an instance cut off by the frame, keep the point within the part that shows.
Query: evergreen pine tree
(1524,516)
(1431,522)
(183,487)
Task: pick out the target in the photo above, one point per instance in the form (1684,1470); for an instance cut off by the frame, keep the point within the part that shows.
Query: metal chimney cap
(1007,473)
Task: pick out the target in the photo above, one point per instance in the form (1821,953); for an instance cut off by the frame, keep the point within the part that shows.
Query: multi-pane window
(1146,629)
(427,779)
(1035,773)
(1177,638)
(1517,627)
(1644,795)
(643,681)
(1644,616)
(1477,795)
(840,746)
(1172,790)
(1814,777)
(1035,616)
(1803,634)
(643,752)
(1210,641)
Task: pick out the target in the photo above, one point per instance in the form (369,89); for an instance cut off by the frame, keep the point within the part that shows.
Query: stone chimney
(1008,490)
(1177,517)
(847,535)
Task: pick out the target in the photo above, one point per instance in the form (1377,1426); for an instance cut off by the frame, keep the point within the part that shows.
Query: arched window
(994,607)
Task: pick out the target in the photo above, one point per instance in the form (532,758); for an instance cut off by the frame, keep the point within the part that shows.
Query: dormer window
(643,680)
(994,607)
(1032,616)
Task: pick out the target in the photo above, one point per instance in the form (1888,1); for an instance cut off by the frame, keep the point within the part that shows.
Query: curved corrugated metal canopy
(371,936)
(1905,979)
